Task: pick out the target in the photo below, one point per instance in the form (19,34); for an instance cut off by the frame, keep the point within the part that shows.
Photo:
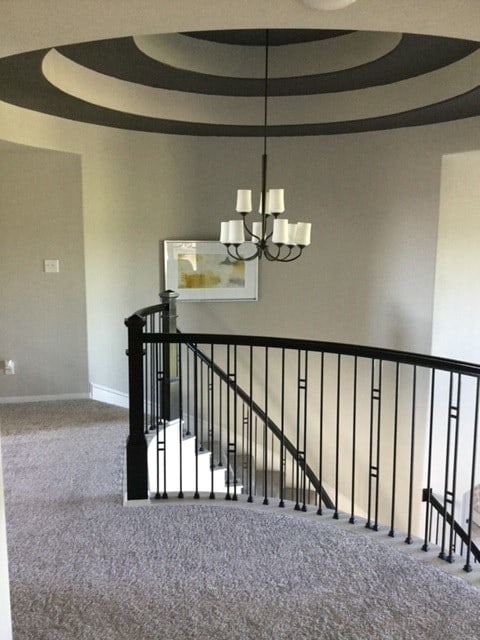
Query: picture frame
(201,270)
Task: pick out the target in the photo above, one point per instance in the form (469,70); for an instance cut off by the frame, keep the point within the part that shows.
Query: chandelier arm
(238,256)
(283,258)
(250,233)
(268,236)
(271,256)
(289,258)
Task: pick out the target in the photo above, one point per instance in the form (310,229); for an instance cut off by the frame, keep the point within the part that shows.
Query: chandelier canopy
(271,236)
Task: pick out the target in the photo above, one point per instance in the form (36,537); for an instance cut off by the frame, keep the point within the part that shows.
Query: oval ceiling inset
(292,60)
(129,97)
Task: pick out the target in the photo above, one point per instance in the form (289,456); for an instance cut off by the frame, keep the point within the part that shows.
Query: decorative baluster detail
(231,380)
(456,420)
(301,402)
(452,415)
(374,444)
(161,454)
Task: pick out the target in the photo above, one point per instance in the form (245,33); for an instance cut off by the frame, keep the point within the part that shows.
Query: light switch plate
(51,266)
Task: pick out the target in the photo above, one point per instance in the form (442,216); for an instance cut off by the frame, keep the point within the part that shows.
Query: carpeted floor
(82,566)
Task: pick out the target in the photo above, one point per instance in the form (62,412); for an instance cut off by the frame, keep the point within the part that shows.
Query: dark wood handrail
(297,344)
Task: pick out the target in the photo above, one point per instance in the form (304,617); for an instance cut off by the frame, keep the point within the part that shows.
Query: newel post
(171,379)
(137,465)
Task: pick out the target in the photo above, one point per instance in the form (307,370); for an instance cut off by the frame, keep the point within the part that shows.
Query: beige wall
(455,326)
(458,262)
(373,200)
(42,316)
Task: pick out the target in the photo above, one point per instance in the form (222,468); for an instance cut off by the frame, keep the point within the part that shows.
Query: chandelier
(271,236)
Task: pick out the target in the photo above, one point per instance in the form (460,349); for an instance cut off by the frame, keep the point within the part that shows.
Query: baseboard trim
(49,398)
(109,396)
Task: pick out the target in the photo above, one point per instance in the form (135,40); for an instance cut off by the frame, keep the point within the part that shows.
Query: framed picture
(202,270)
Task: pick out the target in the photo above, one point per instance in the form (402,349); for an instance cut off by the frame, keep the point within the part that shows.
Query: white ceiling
(34,24)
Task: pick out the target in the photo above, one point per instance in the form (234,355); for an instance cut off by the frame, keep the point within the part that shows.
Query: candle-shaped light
(280,231)
(277,201)
(236,234)
(244,200)
(256,231)
(292,235)
(224,232)
(303,233)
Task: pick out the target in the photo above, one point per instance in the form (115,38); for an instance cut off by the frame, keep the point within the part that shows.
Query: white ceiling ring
(293,60)
(119,95)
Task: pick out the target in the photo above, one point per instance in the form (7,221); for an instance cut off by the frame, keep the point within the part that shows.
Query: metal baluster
(160,450)
(451,549)
(354,437)
(337,436)
(220,421)
(256,445)
(408,539)
(202,392)
(304,383)
(188,432)
(373,469)
(245,431)
(283,461)
(180,418)
(468,566)
(447,465)
(146,375)
(391,533)
(320,439)
(250,435)
(265,434)
(299,451)
(235,426)
(195,418)
(272,470)
(428,491)
(211,400)
(227,495)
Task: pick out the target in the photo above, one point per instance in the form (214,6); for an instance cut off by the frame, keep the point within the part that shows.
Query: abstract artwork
(202,270)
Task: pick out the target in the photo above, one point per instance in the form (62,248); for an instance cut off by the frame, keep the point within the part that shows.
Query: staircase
(178,456)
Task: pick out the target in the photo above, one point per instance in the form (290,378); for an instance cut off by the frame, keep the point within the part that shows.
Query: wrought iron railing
(378,434)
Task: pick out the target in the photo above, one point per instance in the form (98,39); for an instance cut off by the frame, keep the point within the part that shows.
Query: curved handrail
(148,311)
(298,344)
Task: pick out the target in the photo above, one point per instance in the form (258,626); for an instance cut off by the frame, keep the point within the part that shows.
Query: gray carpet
(84,566)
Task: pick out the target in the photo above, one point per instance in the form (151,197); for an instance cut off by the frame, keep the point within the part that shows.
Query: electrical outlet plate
(8,367)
